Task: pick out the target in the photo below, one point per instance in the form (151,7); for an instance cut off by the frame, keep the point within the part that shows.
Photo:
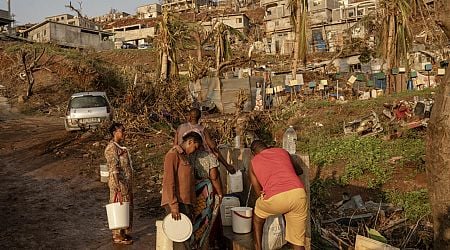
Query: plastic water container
(162,242)
(241,219)
(228,202)
(237,142)
(118,215)
(290,140)
(235,182)
(104,173)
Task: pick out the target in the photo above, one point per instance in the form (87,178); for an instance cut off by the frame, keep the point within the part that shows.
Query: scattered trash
(374,234)
(393,160)
(354,224)
(318,124)
(358,201)
(364,126)
(349,220)
(354,202)
(364,243)
(409,115)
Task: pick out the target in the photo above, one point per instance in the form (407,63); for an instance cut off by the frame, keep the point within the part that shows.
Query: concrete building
(278,27)
(329,26)
(5,18)
(148,11)
(184,5)
(238,21)
(69,35)
(111,16)
(320,11)
(20,29)
(73,20)
(134,33)
(327,19)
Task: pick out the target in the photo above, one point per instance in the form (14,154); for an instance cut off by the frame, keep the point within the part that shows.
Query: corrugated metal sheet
(224,92)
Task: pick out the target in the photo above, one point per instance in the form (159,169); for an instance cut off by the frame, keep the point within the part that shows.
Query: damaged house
(69,31)
(148,11)
(279,27)
(328,21)
(5,18)
(132,30)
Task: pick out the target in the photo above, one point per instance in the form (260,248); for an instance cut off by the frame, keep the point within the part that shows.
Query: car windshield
(88,102)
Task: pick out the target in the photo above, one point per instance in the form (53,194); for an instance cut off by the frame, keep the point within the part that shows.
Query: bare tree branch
(70,6)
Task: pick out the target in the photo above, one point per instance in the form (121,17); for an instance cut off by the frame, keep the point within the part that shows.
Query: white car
(87,110)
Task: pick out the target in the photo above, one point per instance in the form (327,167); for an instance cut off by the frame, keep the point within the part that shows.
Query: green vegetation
(364,159)
(320,191)
(415,203)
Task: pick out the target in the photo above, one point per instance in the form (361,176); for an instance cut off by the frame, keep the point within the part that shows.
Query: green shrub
(415,203)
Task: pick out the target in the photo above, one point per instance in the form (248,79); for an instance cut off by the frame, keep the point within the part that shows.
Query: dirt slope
(48,198)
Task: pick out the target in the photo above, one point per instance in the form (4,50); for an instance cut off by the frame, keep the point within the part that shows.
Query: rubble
(409,115)
(368,225)
(365,126)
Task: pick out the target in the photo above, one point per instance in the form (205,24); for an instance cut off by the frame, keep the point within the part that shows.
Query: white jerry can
(235,182)
(228,202)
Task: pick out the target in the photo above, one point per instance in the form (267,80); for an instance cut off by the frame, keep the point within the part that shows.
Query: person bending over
(280,191)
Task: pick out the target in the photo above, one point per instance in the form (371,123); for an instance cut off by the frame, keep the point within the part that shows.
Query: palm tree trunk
(164,65)
(199,47)
(390,50)
(438,152)
(296,41)
(438,165)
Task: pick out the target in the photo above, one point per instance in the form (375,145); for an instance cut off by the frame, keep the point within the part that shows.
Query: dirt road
(49,197)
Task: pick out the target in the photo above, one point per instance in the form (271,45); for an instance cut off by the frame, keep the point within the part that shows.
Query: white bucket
(228,202)
(104,173)
(235,182)
(162,242)
(118,215)
(242,219)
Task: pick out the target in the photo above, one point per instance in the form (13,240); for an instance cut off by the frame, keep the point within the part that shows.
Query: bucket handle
(118,197)
(242,216)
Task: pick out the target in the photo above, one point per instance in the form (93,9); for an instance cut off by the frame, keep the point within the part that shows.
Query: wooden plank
(364,243)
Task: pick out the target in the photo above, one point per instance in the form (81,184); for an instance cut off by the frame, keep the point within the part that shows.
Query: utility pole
(10,16)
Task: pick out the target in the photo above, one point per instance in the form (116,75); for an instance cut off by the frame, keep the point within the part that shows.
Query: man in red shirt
(281,191)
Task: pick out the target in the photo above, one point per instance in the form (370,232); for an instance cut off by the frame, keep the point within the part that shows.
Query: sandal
(122,240)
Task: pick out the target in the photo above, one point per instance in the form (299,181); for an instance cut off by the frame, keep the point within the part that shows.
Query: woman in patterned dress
(120,177)
(207,186)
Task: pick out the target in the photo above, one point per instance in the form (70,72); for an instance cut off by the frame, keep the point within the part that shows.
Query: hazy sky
(33,11)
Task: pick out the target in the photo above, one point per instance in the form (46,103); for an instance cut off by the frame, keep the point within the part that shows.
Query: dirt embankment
(50,193)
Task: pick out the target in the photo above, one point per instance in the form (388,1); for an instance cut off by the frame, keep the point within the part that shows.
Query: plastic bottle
(290,140)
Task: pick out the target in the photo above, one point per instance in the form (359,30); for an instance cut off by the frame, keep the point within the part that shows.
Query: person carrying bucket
(178,186)
(274,179)
(120,180)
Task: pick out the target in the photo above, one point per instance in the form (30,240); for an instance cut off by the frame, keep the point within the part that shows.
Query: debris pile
(409,114)
(403,114)
(352,222)
(364,126)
